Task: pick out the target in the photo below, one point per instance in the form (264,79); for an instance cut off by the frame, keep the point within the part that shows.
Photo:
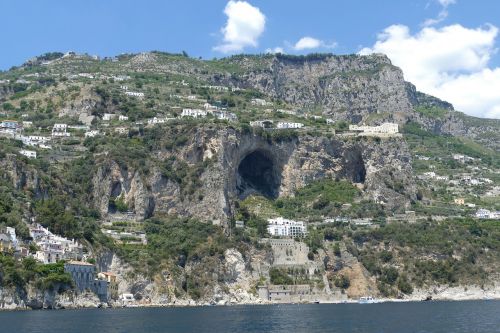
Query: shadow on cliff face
(257,173)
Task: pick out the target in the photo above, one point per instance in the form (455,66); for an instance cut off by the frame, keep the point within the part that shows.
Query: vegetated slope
(172,180)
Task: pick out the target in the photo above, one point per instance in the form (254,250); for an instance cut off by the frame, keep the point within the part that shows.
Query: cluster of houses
(14,129)
(464,179)
(52,248)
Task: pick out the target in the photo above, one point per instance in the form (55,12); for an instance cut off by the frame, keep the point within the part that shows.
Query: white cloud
(450,62)
(277,49)
(442,15)
(307,43)
(311,43)
(446,3)
(245,23)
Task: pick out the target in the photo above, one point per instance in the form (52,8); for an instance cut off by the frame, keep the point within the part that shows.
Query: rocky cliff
(238,164)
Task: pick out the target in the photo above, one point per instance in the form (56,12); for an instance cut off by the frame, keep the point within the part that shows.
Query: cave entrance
(257,173)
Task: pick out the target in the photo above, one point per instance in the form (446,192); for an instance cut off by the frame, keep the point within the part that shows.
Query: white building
(218,88)
(91,134)
(195,113)
(60,130)
(208,106)
(224,115)
(38,138)
(121,130)
(134,94)
(35,140)
(86,75)
(11,232)
(9,126)
(108,116)
(28,153)
(290,112)
(122,118)
(286,228)
(156,120)
(487,214)
(262,123)
(79,127)
(27,124)
(286,125)
(385,128)
(462,158)
(260,102)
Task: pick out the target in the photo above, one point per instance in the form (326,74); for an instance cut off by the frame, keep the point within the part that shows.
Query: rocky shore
(68,300)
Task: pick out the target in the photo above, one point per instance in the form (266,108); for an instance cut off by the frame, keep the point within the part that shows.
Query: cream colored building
(385,128)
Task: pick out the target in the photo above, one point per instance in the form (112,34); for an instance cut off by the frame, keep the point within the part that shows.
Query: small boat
(367,300)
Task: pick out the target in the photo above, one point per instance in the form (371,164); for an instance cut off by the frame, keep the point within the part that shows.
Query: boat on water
(367,300)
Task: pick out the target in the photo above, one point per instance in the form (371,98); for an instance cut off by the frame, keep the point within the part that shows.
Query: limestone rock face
(345,87)
(244,163)
(23,176)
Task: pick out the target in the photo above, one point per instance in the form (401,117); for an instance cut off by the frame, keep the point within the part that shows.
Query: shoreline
(263,303)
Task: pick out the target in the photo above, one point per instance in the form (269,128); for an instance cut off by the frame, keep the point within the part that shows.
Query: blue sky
(218,28)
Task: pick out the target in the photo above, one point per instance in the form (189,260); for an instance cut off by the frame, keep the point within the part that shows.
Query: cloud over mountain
(450,62)
(245,24)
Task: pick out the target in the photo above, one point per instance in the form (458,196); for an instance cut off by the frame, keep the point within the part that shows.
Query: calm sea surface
(446,317)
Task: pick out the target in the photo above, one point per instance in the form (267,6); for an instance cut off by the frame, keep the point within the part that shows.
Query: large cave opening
(257,173)
(359,170)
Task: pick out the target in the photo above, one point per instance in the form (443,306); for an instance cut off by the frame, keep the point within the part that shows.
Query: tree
(404,285)
(389,275)
(342,281)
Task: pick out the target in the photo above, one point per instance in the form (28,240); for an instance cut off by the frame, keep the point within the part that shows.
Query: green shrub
(279,276)
(342,281)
